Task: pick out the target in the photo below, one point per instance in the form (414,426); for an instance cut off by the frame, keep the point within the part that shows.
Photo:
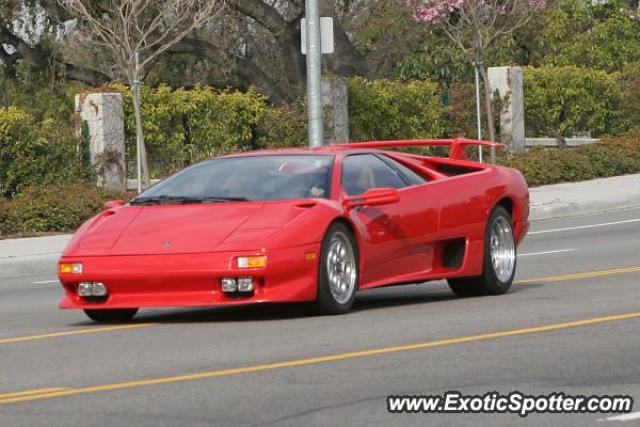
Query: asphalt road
(569,325)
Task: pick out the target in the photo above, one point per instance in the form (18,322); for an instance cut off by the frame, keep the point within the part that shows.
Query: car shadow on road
(372,300)
(420,294)
(368,300)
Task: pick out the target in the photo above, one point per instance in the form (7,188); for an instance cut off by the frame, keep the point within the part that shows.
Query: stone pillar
(335,95)
(508,83)
(103,114)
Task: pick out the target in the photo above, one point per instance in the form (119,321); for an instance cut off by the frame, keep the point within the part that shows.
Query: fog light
(71,268)
(252,261)
(92,289)
(99,290)
(229,284)
(245,284)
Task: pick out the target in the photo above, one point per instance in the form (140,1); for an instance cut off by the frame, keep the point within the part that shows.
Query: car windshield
(248,178)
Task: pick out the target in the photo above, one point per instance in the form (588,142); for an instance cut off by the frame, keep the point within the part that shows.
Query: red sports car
(291,225)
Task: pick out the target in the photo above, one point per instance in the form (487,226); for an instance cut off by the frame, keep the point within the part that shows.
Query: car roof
(323,150)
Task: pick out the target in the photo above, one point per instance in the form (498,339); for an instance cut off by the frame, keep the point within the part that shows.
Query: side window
(362,172)
(411,177)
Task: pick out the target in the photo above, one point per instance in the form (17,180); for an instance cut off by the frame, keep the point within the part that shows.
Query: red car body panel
(126,246)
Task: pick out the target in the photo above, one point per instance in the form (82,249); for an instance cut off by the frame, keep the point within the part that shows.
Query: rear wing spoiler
(457,145)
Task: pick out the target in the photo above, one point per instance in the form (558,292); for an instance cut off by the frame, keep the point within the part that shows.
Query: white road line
(549,252)
(626,417)
(580,227)
(45,282)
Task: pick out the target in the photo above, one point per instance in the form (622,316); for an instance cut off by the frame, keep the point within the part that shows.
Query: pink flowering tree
(474,25)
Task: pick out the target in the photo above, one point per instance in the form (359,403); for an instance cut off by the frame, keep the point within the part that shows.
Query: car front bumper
(183,280)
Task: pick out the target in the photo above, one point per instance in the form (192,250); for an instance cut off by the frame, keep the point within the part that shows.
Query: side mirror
(113,204)
(373,197)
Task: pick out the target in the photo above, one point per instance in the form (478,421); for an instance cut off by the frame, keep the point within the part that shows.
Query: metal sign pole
(476,69)
(136,88)
(479,118)
(314,83)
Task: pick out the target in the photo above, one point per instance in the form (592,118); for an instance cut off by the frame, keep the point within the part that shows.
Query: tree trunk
(488,110)
(135,93)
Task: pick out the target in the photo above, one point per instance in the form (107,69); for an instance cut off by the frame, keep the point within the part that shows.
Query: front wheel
(499,259)
(115,315)
(338,271)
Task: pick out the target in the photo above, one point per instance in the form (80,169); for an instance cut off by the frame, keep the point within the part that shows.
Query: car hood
(180,229)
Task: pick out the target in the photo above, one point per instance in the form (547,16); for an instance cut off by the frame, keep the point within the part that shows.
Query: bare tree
(136,33)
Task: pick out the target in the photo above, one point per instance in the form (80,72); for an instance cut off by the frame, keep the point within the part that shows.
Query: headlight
(245,284)
(229,284)
(92,289)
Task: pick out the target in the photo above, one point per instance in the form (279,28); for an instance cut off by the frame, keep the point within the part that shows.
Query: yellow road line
(322,359)
(75,332)
(576,276)
(30,392)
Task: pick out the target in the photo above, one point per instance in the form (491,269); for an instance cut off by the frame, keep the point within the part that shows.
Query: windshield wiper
(165,200)
(181,200)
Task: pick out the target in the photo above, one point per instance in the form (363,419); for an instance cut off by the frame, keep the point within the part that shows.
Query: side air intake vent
(453,253)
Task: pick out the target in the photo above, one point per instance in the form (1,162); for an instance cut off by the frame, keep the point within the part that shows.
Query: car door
(397,236)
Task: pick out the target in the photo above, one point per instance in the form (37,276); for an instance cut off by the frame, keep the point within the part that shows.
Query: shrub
(461,113)
(560,101)
(628,116)
(389,109)
(7,221)
(550,166)
(283,127)
(36,153)
(53,208)
(602,35)
(37,93)
(185,126)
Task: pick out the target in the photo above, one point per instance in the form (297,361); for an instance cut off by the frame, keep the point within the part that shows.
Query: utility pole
(314,73)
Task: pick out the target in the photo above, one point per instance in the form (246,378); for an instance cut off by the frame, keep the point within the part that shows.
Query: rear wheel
(499,259)
(338,271)
(115,315)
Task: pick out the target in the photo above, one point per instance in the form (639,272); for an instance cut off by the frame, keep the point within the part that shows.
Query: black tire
(326,302)
(115,315)
(488,283)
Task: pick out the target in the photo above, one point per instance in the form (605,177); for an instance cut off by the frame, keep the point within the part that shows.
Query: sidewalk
(582,198)
(31,256)
(39,255)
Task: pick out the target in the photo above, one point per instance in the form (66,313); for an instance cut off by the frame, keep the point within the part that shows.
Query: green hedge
(52,208)
(36,153)
(184,126)
(551,166)
(560,101)
(392,109)
(627,118)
